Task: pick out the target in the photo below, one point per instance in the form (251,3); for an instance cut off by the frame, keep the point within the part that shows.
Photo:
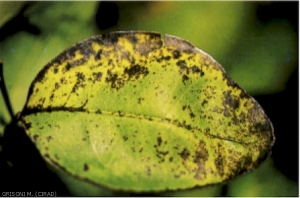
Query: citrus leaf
(137,111)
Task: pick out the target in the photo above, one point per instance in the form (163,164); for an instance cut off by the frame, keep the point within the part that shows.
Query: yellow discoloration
(158,114)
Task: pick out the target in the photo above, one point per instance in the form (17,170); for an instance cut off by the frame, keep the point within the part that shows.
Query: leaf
(137,111)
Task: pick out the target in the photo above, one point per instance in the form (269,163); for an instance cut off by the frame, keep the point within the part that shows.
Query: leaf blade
(164,89)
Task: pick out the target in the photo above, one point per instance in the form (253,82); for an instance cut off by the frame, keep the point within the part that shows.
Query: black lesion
(140,100)
(97,76)
(230,100)
(63,80)
(114,80)
(204,102)
(191,113)
(184,78)
(176,54)
(160,153)
(184,154)
(117,81)
(56,85)
(159,141)
(79,82)
(135,71)
(85,167)
(55,70)
(220,164)
(68,66)
(80,76)
(27,125)
(49,138)
(163,58)
(182,124)
(197,70)
(35,137)
(125,137)
(182,66)
(40,77)
(98,55)
(201,154)
(133,39)
(111,38)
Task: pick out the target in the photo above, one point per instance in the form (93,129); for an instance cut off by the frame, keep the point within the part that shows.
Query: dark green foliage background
(256,42)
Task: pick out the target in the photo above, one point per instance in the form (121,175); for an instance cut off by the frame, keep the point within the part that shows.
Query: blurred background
(256,43)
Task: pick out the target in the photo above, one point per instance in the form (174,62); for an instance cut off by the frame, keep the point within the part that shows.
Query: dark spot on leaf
(113,79)
(176,54)
(121,114)
(35,137)
(110,38)
(52,96)
(80,76)
(79,82)
(182,66)
(159,141)
(67,67)
(125,137)
(207,129)
(27,125)
(230,100)
(195,69)
(97,76)
(98,55)
(63,80)
(133,39)
(140,100)
(163,58)
(184,154)
(49,138)
(85,167)
(220,164)
(192,115)
(184,78)
(201,154)
(136,71)
(56,86)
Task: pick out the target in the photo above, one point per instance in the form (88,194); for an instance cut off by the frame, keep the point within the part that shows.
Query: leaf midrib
(121,114)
